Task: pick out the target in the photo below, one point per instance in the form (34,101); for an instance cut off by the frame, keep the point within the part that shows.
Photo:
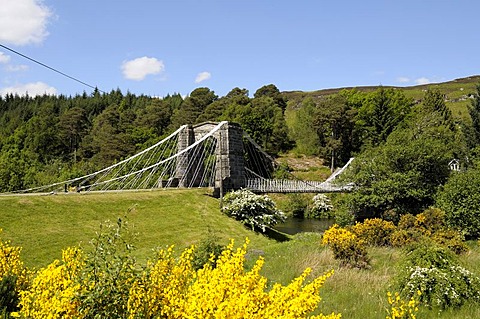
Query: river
(294,225)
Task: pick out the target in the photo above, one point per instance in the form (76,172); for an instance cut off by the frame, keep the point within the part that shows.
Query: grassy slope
(43,225)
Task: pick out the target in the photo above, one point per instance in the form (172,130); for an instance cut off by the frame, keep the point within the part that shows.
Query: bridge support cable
(260,181)
(257,161)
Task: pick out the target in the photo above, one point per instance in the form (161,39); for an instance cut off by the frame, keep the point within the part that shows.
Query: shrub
(207,252)
(14,276)
(54,288)
(407,221)
(375,231)
(170,288)
(401,309)
(430,221)
(296,205)
(429,224)
(460,199)
(448,287)
(108,283)
(346,247)
(256,211)
(321,207)
(108,272)
(433,271)
(344,217)
(452,239)
(405,237)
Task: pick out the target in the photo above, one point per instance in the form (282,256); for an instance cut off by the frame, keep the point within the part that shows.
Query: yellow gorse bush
(53,290)
(346,246)
(170,288)
(11,264)
(401,309)
(374,231)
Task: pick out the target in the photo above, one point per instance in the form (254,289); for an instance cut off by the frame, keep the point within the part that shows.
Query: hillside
(457,93)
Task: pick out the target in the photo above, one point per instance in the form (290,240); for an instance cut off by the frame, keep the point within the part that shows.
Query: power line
(50,68)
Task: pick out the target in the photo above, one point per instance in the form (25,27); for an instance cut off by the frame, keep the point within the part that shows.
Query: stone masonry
(229,167)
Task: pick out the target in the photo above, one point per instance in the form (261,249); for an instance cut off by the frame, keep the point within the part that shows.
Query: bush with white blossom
(256,211)
(441,280)
(321,207)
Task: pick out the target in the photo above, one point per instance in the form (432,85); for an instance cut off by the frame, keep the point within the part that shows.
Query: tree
(333,122)
(72,127)
(192,107)
(474,111)
(380,113)
(108,140)
(434,101)
(272,91)
(215,111)
(404,173)
(256,211)
(302,130)
(460,200)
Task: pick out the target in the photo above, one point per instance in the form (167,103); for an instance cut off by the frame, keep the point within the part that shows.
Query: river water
(294,225)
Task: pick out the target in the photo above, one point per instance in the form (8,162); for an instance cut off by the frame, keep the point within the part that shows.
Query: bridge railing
(262,185)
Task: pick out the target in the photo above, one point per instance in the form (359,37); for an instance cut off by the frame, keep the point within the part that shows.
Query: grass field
(43,225)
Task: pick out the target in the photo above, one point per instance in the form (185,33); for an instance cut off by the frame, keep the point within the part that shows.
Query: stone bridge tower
(229,166)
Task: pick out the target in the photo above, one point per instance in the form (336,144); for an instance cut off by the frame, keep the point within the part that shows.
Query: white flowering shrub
(256,211)
(321,207)
(450,287)
(442,282)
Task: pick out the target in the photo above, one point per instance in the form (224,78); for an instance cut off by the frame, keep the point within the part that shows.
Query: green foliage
(301,128)
(296,205)
(380,114)
(256,211)
(108,273)
(474,112)
(9,296)
(404,173)
(207,252)
(460,199)
(434,101)
(434,272)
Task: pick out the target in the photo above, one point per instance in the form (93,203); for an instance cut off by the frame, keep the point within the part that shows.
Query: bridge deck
(260,185)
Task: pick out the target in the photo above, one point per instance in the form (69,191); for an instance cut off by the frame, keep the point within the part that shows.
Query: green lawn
(44,225)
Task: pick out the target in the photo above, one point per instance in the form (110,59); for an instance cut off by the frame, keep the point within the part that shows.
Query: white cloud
(23,21)
(202,76)
(422,80)
(139,68)
(4,58)
(17,68)
(403,79)
(36,88)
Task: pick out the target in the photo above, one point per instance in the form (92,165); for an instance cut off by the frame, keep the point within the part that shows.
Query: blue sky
(159,47)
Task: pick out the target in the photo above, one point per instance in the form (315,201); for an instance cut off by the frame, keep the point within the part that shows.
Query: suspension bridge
(218,155)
